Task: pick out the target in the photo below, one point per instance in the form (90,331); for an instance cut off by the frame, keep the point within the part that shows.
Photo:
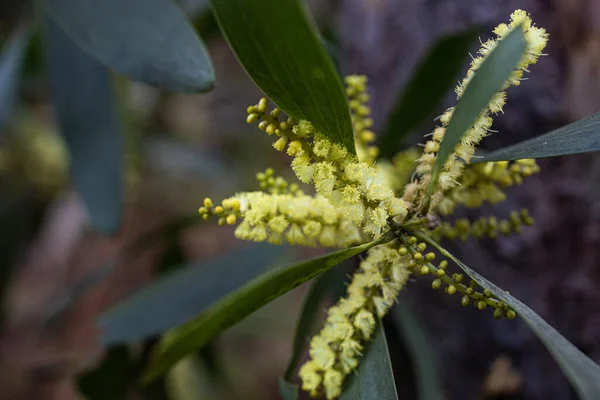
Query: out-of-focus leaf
(278,46)
(429,384)
(375,378)
(147,40)
(238,304)
(581,371)
(430,82)
(175,299)
(287,390)
(111,379)
(89,121)
(486,82)
(11,60)
(582,136)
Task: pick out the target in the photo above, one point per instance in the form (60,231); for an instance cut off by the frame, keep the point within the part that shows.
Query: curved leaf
(89,121)
(579,369)
(277,45)
(239,304)
(287,390)
(147,40)
(175,299)
(486,82)
(434,75)
(582,136)
(375,378)
(11,60)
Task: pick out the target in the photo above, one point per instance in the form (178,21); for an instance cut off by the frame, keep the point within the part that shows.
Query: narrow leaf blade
(277,45)
(432,79)
(486,82)
(239,304)
(146,40)
(87,114)
(582,136)
(579,369)
(175,299)
(375,378)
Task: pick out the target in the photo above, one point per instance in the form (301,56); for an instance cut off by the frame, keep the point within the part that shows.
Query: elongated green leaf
(239,304)
(429,384)
(483,86)
(11,60)
(582,136)
(434,76)
(375,378)
(147,40)
(276,43)
(581,371)
(85,105)
(172,301)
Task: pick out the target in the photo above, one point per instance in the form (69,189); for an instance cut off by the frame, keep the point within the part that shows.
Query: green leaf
(579,369)
(375,378)
(486,82)
(287,390)
(433,77)
(89,121)
(582,136)
(175,299)
(146,40)
(111,379)
(11,60)
(429,385)
(238,304)
(277,45)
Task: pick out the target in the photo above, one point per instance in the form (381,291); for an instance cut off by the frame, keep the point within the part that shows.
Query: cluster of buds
(484,226)
(422,264)
(486,182)
(358,99)
(273,184)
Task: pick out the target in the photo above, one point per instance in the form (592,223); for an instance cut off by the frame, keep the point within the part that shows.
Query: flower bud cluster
(351,186)
(536,39)
(335,350)
(485,182)
(358,98)
(484,226)
(272,184)
(422,264)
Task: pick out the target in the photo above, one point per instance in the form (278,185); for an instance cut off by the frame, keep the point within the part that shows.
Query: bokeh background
(182,148)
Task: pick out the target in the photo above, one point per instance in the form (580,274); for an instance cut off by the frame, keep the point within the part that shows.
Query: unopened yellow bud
(251,118)
(219,210)
(222,221)
(231,219)
(208,202)
(262,105)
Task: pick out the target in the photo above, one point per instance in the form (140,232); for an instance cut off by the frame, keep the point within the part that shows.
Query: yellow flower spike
(535,39)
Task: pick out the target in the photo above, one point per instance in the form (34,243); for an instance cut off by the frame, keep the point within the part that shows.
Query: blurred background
(57,275)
